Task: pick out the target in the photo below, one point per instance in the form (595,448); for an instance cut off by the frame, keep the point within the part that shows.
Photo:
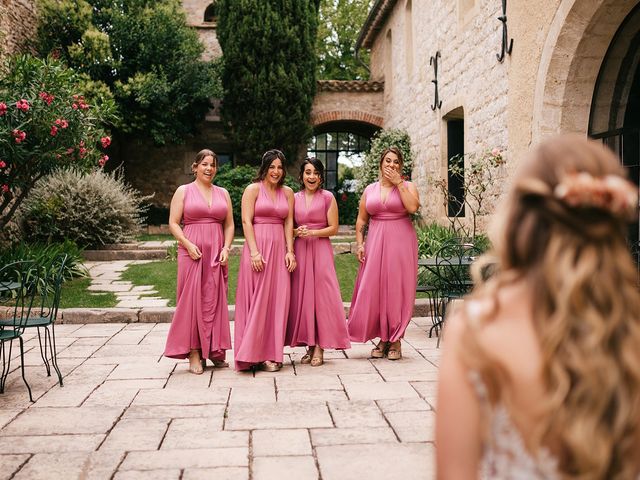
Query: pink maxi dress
(262,298)
(316,314)
(385,288)
(201,319)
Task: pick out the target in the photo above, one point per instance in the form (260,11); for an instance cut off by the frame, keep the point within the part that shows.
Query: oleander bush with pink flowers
(45,125)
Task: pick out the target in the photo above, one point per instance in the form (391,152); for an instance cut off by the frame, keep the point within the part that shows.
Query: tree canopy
(269,73)
(339,26)
(140,52)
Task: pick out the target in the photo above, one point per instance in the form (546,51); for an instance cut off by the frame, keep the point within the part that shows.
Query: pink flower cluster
(103,159)
(79,103)
(46,97)
(19,136)
(3,108)
(610,193)
(5,188)
(2,164)
(105,141)
(22,105)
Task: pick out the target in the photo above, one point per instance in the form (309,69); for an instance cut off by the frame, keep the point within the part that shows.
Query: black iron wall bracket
(507,45)
(437,103)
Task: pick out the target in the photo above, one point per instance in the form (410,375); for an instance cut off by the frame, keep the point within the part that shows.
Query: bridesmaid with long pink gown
(262,298)
(200,325)
(385,288)
(316,314)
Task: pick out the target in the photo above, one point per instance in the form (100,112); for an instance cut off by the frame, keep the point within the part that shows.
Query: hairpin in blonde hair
(611,193)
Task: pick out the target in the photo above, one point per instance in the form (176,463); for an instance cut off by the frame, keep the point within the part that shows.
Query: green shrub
(44,255)
(433,236)
(369,172)
(91,209)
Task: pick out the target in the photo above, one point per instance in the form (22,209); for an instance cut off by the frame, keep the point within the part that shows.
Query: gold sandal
(317,360)
(381,350)
(269,366)
(395,353)
(306,358)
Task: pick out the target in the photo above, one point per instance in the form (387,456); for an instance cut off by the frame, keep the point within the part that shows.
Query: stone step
(111,255)
(421,308)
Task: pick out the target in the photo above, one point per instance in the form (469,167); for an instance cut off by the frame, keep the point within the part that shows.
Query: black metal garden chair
(19,286)
(45,311)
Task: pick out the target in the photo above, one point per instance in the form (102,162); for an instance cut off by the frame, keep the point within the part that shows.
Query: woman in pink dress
(200,325)
(262,298)
(316,314)
(385,288)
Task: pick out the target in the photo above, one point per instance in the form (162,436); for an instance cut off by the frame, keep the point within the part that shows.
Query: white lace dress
(505,455)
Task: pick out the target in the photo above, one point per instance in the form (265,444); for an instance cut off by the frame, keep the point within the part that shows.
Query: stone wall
(195,10)
(356,101)
(544,87)
(17,25)
(470,79)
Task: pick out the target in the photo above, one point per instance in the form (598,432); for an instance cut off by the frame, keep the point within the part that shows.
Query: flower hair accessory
(611,193)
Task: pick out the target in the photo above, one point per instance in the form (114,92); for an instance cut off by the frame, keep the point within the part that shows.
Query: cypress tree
(269,73)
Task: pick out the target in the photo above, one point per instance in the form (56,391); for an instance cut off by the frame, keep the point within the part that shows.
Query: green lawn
(75,294)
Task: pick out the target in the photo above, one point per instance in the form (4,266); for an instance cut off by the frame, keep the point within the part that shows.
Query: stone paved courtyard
(125,412)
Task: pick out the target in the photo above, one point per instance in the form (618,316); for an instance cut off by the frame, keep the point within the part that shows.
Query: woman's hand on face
(193,251)
(290,261)
(392,175)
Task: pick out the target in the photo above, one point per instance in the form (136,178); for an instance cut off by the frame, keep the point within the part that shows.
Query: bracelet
(225,248)
(257,254)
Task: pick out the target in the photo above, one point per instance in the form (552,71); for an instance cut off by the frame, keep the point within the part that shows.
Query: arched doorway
(615,108)
(339,145)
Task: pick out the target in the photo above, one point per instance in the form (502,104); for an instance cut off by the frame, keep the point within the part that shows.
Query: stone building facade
(573,68)
(17,26)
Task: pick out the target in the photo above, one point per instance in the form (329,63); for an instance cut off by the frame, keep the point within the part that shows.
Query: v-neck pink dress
(316,314)
(262,298)
(201,319)
(385,288)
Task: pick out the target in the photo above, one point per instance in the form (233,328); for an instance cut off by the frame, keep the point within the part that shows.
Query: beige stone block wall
(368,103)
(206,31)
(17,25)
(469,77)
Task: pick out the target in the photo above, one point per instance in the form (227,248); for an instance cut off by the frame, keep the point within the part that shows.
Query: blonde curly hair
(586,313)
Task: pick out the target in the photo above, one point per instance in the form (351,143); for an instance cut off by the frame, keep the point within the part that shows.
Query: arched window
(211,13)
(337,148)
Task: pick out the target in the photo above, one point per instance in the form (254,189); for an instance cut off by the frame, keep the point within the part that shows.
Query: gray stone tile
(169,474)
(253,394)
(136,434)
(387,460)
(413,426)
(317,382)
(222,473)
(350,436)
(176,411)
(187,458)
(49,443)
(175,396)
(403,405)
(356,414)
(270,443)
(10,464)
(278,415)
(300,468)
(311,395)
(58,421)
(202,433)
(47,466)
(377,390)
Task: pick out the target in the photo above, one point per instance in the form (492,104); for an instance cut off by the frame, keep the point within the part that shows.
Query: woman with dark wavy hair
(540,374)
(262,298)
(316,315)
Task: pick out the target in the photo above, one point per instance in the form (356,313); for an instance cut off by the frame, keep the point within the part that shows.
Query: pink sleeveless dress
(262,298)
(201,319)
(316,314)
(385,288)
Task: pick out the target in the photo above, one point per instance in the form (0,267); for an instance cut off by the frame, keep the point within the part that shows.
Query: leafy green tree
(142,52)
(45,125)
(339,26)
(269,73)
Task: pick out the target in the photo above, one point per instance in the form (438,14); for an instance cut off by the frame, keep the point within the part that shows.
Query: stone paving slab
(126,412)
